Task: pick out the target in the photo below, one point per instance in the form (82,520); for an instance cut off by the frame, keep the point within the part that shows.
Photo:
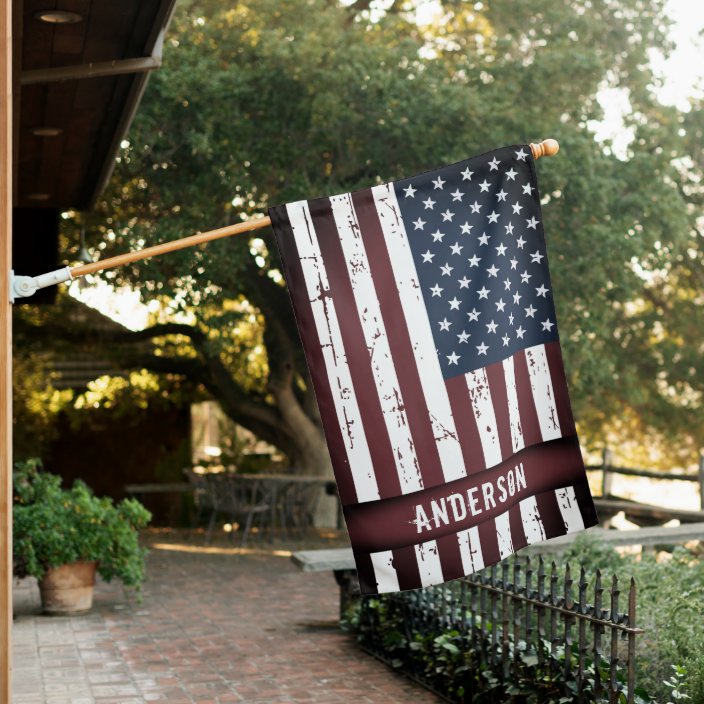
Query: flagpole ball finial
(548,147)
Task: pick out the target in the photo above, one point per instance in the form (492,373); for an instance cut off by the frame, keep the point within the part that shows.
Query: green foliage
(54,526)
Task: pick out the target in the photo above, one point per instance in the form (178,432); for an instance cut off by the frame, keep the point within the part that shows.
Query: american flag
(426,312)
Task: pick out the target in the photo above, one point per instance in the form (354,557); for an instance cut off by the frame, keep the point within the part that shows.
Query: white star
(520,332)
(464,282)
(507,284)
(475,207)
(456,248)
(474,260)
(494,164)
(510,319)
(501,250)
(493,217)
(517,207)
(542,291)
(467,174)
(520,242)
(509,229)
(532,223)
(527,188)
(447,216)
(474,314)
(484,238)
(481,349)
(505,340)
(454,304)
(484,185)
(500,305)
(514,263)
(493,271)
(427,256)
(466,228)
(512,174)
(536,256)
(491,327)
(438,182)
(521,155)
(525,276)
(437,236)
(452,358)
(463,336)
(530,311)
(446,269)
(501,195)
(547,325)
(457,195)
(410,191)
(429,203)
(483,293)
(436,290)
(419,224)
(444,324)
(516,297)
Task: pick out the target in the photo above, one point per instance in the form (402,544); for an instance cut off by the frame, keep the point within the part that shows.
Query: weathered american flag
(426,313)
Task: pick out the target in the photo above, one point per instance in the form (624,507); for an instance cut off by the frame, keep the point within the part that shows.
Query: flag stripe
(365,572)
(503,534)
(541,384)
(570,510)
(514,414)
(499,400)
(384,571)
(480,396)
(314,353)
(489,542)
(518,533)
(450,556)
(429,563)
(533,527)
(418,325)
(373,429)
(467,430)
(406,565)
(470,550)
(530,427)
(586,503)
(559,385)
(377,342)
(399,339)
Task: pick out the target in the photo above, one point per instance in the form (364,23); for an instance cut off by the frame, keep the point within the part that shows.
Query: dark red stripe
(559,388)
(518,534)
(450,557)
(550,514)
(313,352)
(586,503)
(399,340)
(490,542)
(526,405)
(499,400)
(365,573)
(405,562)
(465,423)
(356,350)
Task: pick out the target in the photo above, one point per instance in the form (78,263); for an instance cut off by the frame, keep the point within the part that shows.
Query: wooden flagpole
(548,147)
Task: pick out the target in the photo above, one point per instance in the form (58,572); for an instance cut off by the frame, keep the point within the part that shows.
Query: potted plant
(62,536)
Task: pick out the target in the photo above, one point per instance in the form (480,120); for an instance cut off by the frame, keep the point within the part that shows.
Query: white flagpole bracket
(25,286)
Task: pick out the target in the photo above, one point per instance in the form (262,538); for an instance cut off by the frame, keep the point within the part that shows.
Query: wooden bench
(341,561)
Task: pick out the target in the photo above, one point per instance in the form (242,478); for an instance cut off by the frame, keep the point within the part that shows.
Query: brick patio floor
(211,628)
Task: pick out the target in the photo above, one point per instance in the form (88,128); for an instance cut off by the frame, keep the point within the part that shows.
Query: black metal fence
(518,621)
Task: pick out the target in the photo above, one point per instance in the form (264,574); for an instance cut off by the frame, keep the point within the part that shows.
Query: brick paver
(211,628)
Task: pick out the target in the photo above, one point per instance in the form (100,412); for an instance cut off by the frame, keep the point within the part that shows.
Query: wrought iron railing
(517,620)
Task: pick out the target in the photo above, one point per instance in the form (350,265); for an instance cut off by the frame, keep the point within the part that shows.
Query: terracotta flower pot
(68,589)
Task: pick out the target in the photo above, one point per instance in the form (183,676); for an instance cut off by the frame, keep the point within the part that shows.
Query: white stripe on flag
(480,396)
(532,525)
(503,533)
(328,328)
(514,416)
(567,501)
(384,571)
(429,563)
(470,550)
(541,385)
(369,313)
(420,333)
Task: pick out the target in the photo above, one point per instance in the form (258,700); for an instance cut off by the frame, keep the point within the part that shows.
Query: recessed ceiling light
(39,196)
(47,131)
(58,16)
